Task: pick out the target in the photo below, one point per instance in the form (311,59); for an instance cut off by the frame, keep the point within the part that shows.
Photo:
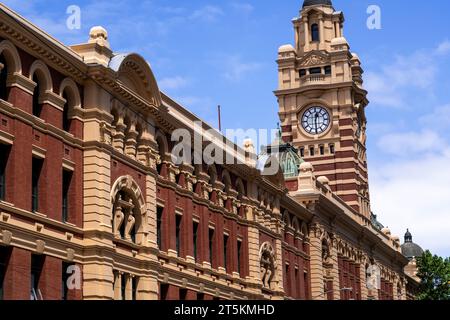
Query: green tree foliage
(434,273)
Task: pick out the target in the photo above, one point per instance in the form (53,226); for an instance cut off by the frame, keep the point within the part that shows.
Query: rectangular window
(163,291)
(4,155)
(288,280)
(327,70)
(311,151)
(200,296)
(178,233)
(195,239)
(134,289)
(123,286)
(4,260)
(183,294)
(225,251)
(211,245)
(302,72)
(159,215)
(297,283)
(64,278)
(332,151)
(302,152)
(306,283)
(37,263)
(315,71)
(239,257)
(36,175)
(67,179)
(322,150)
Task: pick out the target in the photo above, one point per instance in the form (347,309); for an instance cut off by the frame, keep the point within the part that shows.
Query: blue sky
(206,53)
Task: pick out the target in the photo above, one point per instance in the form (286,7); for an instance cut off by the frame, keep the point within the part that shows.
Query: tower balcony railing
(313,79)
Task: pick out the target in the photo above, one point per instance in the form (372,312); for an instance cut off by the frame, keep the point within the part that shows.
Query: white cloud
(411,143)
(236,69)
(415,194)
(174,83)
(439,118)
(245,8)
(390,85)
(208,13)
(443,48)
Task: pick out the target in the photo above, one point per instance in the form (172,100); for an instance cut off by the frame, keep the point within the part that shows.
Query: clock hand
(316,122)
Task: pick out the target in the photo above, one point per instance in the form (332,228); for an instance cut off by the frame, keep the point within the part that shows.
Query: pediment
(313,59)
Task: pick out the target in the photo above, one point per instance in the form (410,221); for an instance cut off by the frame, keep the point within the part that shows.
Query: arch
(126,190)
(240,188)
(12,57)
(212,172)
(163,145)
(296,225)
(43,74)
(71,89)
(268,265)
(287,219)
(304,230)
(134,71)
(226,180)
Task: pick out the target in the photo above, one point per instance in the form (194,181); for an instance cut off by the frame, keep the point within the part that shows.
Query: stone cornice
(33,40)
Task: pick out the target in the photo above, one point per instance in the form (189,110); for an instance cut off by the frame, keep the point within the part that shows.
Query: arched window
(67,122)
(315,33)
(3,78)
(37,107)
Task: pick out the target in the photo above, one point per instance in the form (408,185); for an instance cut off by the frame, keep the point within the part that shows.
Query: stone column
(317,291)
(363,280)
(306,26)
(321,33)
(254,275)
(130,142)
(335,271)
(119,135)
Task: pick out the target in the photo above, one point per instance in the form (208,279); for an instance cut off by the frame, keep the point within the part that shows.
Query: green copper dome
(286,155)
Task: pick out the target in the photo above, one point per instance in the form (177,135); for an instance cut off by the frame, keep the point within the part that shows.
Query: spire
(408,236)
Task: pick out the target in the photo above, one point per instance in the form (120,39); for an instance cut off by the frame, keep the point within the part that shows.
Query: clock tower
(322,102)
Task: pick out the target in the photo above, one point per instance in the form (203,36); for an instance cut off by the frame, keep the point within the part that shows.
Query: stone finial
(306,178)
(249,148)
(99,35)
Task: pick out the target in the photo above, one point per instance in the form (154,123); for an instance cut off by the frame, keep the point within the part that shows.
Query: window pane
(315,33)
(67,179)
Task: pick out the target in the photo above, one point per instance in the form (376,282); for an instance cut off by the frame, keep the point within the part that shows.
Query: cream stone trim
(40,67)
(39,152)
(11,55)
(52,99)
(6,138)
(68,165)
(22,82)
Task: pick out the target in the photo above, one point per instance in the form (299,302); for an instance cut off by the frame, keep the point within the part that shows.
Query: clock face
(315,120)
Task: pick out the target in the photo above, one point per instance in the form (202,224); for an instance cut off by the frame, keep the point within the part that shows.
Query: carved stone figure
(118,220)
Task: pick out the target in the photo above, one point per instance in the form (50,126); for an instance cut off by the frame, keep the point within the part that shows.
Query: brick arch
(12,57)
(70,87)
(43,73)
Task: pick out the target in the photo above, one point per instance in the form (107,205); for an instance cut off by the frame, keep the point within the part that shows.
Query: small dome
(386,231)
(286,48)
(306,166)
(99,35)
(410,249)
(339,41)
(309,3)
(323,180)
